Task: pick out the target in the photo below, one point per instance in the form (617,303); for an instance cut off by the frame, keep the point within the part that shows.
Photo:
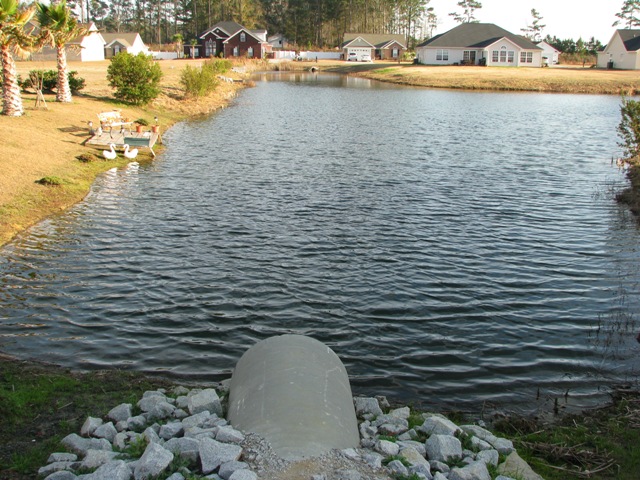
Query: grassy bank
(40,404)
(556,79)
(47,143)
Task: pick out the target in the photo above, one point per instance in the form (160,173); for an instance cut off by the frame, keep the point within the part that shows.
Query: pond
(455,249)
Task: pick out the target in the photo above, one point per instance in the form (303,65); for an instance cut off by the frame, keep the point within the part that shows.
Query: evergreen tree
(468,11)
(629,15)
(534,31)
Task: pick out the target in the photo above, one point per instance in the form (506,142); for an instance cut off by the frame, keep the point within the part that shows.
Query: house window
(442,55)
(526,57)
(243,37)
(511,56)
(503,56)
(236,51)
(394,53)
(209,49)
(250,52)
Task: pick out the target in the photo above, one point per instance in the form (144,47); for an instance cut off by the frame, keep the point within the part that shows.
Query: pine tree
(468,11)
(534,31)
(629,15)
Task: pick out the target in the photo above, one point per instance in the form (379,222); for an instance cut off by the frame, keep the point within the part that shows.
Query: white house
(479,44)
(85,48)
(129,42)
(549,53)
(621,51)
(378,46)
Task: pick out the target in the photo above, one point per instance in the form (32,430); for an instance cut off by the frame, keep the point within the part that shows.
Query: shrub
(629,127)
(198,82)
(136,78)
(50,80)
(50,181)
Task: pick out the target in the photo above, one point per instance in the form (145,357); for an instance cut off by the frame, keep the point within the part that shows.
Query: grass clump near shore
(40,404)
(600,443)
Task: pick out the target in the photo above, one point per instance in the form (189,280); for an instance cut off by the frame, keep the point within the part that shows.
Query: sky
(563,18)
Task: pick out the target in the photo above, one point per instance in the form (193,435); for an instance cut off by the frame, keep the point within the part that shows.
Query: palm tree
(13,39)
(58,27)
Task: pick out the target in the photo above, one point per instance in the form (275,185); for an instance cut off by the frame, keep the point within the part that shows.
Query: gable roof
(378,40)
(476,35)
(630,38)
(547,46)
(252,33)
(127,39)
(229,27)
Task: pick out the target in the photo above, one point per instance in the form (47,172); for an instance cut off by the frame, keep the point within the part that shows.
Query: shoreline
(42,403)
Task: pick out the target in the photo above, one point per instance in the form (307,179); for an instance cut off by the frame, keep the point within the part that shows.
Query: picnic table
(112,119)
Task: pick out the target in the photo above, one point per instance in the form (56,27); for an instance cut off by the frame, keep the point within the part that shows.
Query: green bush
(136,78)
(50,81)
(198,82)
(629,127)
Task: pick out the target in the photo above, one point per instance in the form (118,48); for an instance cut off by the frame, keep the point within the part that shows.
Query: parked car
(365,57)
(353,57)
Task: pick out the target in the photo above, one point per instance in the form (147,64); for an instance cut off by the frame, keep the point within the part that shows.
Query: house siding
(92,48)
(387,53)
(617,53)
(243,47)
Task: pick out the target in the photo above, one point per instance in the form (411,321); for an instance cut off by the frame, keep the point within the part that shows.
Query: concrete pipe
(294,391)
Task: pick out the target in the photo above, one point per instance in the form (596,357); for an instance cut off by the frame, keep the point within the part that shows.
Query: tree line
(318,23)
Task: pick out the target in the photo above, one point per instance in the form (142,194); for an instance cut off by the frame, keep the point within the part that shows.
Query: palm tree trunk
(11,98)
(64,92)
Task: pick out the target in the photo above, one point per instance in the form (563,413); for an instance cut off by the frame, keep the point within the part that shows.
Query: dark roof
(631,39)
(230,27)
(476,35)
(378,40)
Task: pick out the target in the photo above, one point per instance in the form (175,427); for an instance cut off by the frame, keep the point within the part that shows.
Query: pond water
(454,248)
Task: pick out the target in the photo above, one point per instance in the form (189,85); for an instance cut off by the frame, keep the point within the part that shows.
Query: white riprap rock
(89,426)
(116,470)
(81,446)
(443,448)
(153,462)
(386,448)
(106,430)
(97,458)
(489,457)
(213,454)
(120,413)
(229,434)
(62,457)
(367,405)
(207,399)
(171,430)
(473,471)
(187,448)
(438,425)
(243,475)
(62,475)
(228,468)
(411,455)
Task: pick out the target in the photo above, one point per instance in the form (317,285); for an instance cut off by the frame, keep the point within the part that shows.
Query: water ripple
(452,247)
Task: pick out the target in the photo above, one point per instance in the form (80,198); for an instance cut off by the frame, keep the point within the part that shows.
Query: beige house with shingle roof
(129,42)
(379,46)
(479,44)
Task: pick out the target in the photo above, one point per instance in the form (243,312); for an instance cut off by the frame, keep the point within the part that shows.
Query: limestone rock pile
(185,436)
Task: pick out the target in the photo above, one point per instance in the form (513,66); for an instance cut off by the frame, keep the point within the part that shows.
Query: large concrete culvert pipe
(295,392)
